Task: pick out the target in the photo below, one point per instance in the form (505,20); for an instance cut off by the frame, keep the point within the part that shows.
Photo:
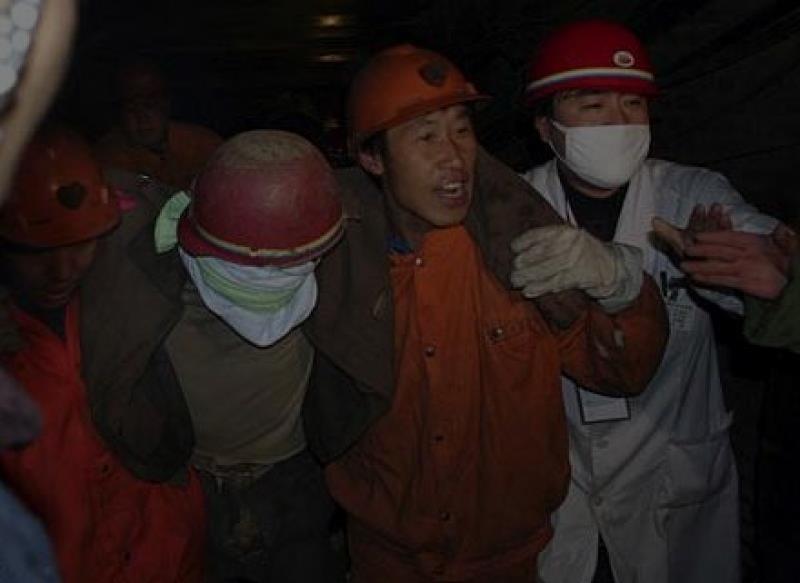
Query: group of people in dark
(250,366)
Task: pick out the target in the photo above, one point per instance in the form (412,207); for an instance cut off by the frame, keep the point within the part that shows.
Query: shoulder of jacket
(193,131)
(688,182)
(676,173)
(357,191)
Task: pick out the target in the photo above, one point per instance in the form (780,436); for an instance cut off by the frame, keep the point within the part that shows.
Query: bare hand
(702,220)
(757,265)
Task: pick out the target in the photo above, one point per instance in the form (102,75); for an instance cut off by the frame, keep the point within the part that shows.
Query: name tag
(679,305)
(681,315)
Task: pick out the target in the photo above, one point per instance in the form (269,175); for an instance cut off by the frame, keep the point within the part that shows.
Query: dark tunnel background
(729,71)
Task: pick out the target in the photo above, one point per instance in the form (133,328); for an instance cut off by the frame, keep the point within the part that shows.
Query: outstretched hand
(702,220)
(757,265)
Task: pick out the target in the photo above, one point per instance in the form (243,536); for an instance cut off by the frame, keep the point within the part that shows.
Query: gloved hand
(561,257)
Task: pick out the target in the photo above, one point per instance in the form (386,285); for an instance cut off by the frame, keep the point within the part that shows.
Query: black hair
(545,107)
(375,145)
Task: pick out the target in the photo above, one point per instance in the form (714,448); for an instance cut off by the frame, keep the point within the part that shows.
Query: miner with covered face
(240,249)
(448,446)
(653,495)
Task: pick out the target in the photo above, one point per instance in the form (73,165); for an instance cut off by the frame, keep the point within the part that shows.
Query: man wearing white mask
(198,358)
(653,495)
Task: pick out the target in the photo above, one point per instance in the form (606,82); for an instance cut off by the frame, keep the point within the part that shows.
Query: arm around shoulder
(618,354)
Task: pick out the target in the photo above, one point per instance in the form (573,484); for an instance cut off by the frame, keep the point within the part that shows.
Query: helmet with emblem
(590,54)
(58,195)
(265,197)
(399,84)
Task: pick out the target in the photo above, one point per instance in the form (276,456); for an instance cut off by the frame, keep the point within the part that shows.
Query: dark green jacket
(776,323)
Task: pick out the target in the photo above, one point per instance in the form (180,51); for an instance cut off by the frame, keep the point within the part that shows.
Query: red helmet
(265,197)
(58,196)
(590,54)
(399,84)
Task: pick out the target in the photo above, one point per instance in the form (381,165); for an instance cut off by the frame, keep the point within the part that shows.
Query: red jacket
(105,524)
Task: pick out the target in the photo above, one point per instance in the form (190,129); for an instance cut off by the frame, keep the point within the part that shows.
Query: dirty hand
(715,218)
(757,265)
(561,257)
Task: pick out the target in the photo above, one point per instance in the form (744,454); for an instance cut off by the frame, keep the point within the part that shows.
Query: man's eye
(426,137)
(592,106)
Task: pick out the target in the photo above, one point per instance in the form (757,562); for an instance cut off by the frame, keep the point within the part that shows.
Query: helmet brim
(196,243)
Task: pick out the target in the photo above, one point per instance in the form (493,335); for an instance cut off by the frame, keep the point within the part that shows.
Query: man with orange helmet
(436,398)
(30,73)
(653,495)
(104,522)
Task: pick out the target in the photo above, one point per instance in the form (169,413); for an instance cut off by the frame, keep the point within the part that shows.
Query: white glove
(561,257)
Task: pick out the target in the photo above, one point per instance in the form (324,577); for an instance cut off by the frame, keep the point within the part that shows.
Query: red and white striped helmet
(590,54)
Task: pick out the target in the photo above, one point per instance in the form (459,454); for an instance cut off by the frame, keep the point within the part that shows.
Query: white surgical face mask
(606,156)
(262,304)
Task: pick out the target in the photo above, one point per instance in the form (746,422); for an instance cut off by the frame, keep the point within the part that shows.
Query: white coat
(661,486)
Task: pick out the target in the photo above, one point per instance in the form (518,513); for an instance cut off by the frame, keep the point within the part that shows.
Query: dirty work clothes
(245,401)
(105,524)
(383,564)
(273,527)
(459,478)
(187,149)
(352,327)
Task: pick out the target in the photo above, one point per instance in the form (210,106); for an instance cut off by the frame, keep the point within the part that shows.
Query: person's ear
(544,128)
(372,162)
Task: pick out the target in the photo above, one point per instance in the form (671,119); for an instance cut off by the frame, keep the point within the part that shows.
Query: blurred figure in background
(146,142)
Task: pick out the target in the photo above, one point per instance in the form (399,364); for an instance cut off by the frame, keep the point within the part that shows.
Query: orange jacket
(188,148)
(105,524)
(461,475)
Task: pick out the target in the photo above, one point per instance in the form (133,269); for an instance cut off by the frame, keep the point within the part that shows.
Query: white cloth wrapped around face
(561,257)
(262,304)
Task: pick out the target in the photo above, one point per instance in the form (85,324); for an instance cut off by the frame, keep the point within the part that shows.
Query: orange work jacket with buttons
(458,480)
(105,524)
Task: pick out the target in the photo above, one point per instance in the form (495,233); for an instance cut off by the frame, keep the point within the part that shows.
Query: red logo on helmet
(623,59)
(72,195)
(434,73)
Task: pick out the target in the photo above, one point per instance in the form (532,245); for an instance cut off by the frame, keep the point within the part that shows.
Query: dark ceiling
(730,69)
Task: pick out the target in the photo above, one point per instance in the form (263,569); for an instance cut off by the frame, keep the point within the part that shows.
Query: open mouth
(57,296)
(454,193)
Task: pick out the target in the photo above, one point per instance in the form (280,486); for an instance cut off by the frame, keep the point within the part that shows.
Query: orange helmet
(58,196)
(590,54)
(399,84)
(265,197)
